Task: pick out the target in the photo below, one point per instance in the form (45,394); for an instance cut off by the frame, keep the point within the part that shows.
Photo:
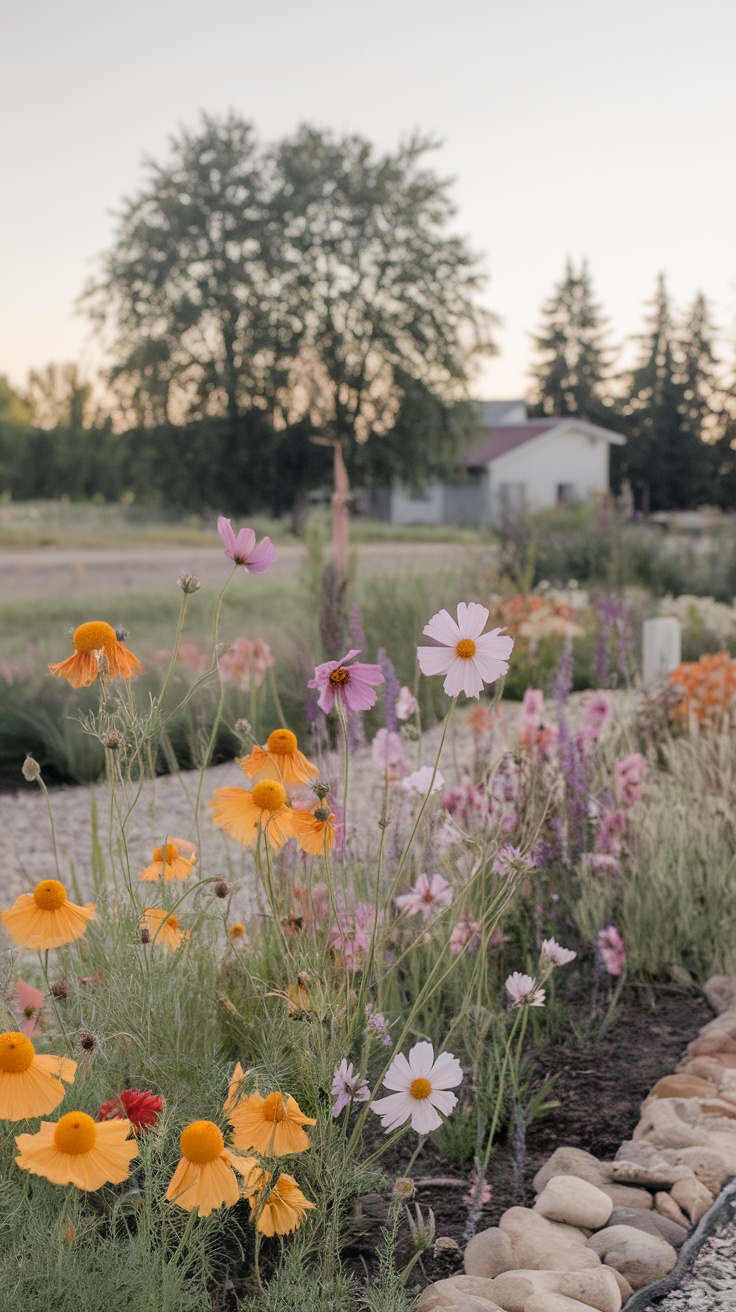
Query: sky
(571,128)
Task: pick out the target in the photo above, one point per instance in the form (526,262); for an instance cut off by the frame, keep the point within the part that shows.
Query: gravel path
(709,1281)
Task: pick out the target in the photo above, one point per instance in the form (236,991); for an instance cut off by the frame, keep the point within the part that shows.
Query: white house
(521,465)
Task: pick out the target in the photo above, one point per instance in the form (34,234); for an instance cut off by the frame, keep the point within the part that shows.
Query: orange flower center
(420,1088)
(274,1108)
(201,1142)
(282,742)
(172,921)
(465,649)
(16,1053)
(172,853)
(340,675)
(95,636)
(268,795)
(49,895)
(75,1133)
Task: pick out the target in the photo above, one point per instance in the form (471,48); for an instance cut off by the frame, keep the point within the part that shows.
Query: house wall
(426,507)
(536,470)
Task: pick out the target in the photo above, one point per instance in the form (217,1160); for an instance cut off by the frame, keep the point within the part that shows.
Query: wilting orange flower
(91,642)
(173,861)
(314,831)
(77,1150)
(163,927)
(243,814)
(282,751)
(272,1125)
(30,1083)
(46,918)
(205,1175)
(277,1211)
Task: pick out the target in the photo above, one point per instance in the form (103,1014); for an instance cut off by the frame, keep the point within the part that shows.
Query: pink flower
(538,740)
(347,1086)
(191,656)
(243,550)
(425,896)
(556,955)
(532,707)
(29,1002)
(465,802)
(406,704)
(597,715)
(511,860)
(611,947)
(376,1021)
(523,991)
(609,841)
(465,936)
(468,657)
(245,660)
(629,774)
(480,720)
(476,1197)
(387,752)
(351,936)
(601,863)
(420,782)
(352,685)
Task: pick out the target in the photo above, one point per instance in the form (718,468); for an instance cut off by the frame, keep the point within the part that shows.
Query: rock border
(725,1202)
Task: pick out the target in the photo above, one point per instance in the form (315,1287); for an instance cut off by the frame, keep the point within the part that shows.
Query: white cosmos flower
(555,954)
(422,1087)
(522,990)
(419,782)
(465,654)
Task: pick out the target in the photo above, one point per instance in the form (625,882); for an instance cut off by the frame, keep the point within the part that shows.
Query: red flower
(141,1109)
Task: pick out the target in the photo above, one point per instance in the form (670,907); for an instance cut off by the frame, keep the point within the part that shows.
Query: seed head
(322,813)
(189,582)
(321,789)
(222,888)
(122,634)
(60,989)
(404,1189)
(243,728)
(87,1041)
(145,936)
(113,741)
(30,769)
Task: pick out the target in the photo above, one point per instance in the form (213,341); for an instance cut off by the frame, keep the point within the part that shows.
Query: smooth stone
(624,1287)
(692,1197)
(489,1253)
(711,1045)
(650,1177)
(542,1245)
(683,1086)
(640,1257)
(554,1303)
(575,1162)
(720,990)
(718,1107)
(575,1202)
(512,1289)
(665,1205)
(458,1294)
(628,1195)
(651,1223)
(598,1289)
(706,1068)
(723,1024)
(665,1128)
(704,1163)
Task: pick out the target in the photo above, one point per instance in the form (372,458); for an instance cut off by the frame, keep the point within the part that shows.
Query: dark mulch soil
(599,1090)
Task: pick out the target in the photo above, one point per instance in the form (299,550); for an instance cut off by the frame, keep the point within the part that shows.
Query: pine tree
(571,376)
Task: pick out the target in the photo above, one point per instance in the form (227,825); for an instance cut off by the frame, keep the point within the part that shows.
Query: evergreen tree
(572,373)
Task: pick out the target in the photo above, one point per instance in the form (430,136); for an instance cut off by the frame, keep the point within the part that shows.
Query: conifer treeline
(676,404)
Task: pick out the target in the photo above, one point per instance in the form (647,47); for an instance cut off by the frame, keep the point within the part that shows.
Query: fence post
(662,644)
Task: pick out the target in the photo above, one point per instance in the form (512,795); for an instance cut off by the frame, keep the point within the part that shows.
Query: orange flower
(91,642)
(314,831)
(236,930)
(46,918)
(244,814)
(77,1150)
(171,861)
(707,687)
(272,1125)
(282,751)
(30,1084)
(277,1211)
(205,1176)
(163,928)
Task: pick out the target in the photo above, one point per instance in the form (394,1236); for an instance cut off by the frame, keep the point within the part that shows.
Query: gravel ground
(709,1283)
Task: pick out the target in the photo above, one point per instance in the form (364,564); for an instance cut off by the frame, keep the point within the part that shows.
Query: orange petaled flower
(272,1125)
(46,918)
(163,928)
(91,642)
(236,930)
(244,814)
(205,1176)
(30,1084)
(172,861)
(707,688)
(282,751)
(314,831)
(279,1210)
(77,1150)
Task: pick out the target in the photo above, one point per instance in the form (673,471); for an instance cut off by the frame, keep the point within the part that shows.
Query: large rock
(554,1303)
(706,1164)
(458,1294)
(641,1258)
(489,1253)
(628,1195)
(692,1197)
(545,1245)
(679,1123)
(683,1086)
(665,1205)
(652,1223)
(575,1202)
(596,1289)
(723,1024)
(720,990)
(706,1068)
(711,1045)
(572,1161)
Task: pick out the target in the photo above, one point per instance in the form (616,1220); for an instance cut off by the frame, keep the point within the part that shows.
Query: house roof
(507,437)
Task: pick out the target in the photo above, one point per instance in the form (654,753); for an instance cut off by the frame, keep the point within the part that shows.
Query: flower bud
(30,769)
(60,989)
(145,936)
(122,634)
(113,741)
(87,1041)
(321,789)
(188,582)
(221,888)
(404,1189)
(322,813)
(243,727)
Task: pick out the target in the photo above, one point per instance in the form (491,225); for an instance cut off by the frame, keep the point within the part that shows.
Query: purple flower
(377,1022)
(352,685)
(243,550)
(347,1086)
(629,774)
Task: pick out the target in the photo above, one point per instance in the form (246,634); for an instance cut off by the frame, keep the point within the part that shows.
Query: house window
(566,494)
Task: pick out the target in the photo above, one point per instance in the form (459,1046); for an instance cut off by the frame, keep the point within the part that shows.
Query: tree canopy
(573,369)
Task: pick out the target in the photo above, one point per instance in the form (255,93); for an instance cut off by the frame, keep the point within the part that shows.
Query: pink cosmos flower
(532,706)
(422,1087)
(611,947)
(387,752)
(419,782)
(523,991)
(597,715)
(243,550)
(351,935)
(245,660)
(465,937)
(376,1021)
(629,774)
(425,896)
(511,860)
(347,1086)
(556,955)
(468,657)
(29,1002)
(475,1197)
(352,685)
(406,704)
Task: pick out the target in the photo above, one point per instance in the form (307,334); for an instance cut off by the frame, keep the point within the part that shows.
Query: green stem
(423,807)
(45,792)
(175,649)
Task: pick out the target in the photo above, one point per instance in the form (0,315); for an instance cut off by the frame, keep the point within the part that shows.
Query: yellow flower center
(420,1088)
(172,921)
(268,795)
(172,853)
(237,930)
(340,675)
(75,1133)
(95,636)
(465,649)
(282,742)
(201,1142)
(273,1107)
(49,895)
(16,1053)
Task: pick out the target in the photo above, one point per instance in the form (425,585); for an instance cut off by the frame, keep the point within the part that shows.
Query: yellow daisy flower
(46,918)
(172,861)
(91,642)
(271,1125)
(77,1150)
(243,814)
(30,1083)
(205,1176)
(163,928)
(282,751)
(284,1208)
(314,831)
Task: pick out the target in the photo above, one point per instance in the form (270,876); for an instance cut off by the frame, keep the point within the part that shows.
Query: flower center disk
(201,1142)
(465,649)
(340,675)
(172,853)
(420,1088)
(273,1107)
(49,895)
(268,795)
(172,921)
(282,742)
(75,1133)
(97,635)
(16,1053)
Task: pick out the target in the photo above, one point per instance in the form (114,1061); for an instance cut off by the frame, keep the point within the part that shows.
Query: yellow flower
(281,751)
(46,918)
(171,861)
(272,1125)
(280,1210)
(77,1150)
(205,1175)
(163,928)
(236,931)
(314,831)
(243,814)
(30,1084)
(93,641)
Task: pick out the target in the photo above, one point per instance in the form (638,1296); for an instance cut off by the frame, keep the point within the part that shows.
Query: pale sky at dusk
(572,128)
